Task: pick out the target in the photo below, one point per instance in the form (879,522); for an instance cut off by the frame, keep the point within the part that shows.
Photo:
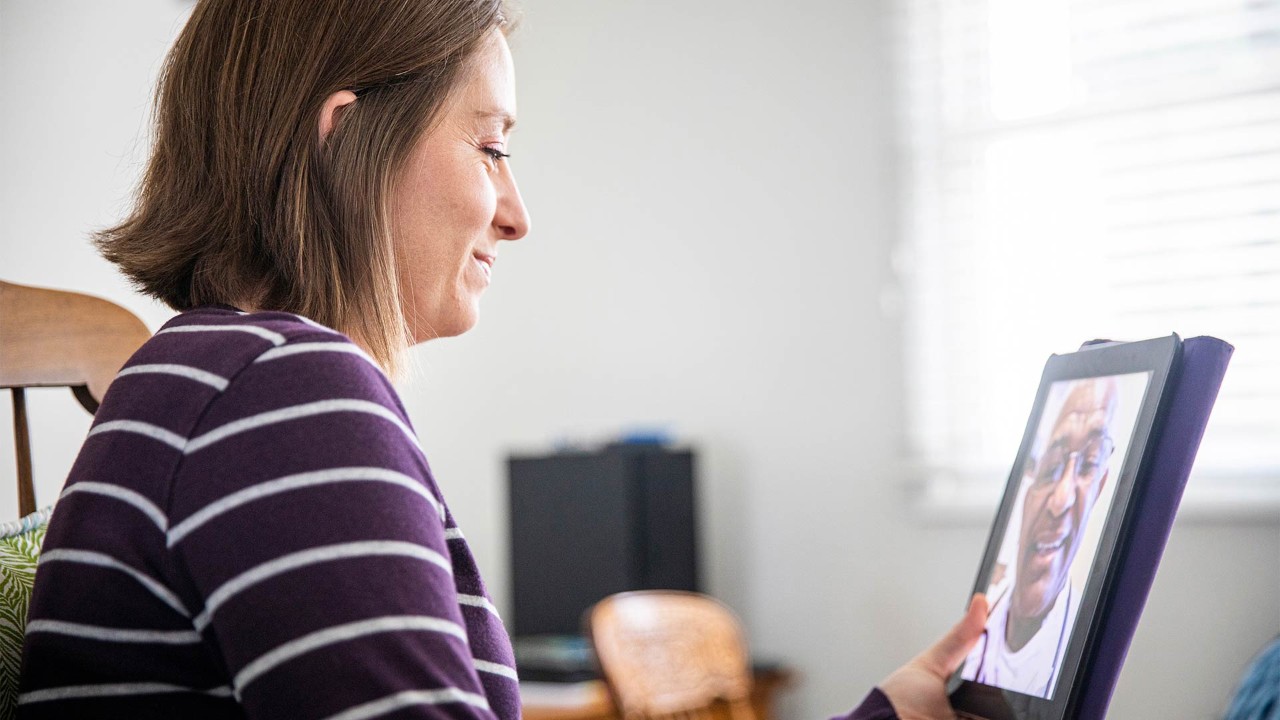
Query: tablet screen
(1042,567)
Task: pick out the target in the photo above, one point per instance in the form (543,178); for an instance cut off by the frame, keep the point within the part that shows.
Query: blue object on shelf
(648,436)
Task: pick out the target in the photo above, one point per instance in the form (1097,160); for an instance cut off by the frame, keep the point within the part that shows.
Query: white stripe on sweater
(155,432)
(453,533)
(407,698)
(275,337)
(297,482)
(186,371)
(341,633)
(303,558)
(123,494)
(110,634)
(313,323)
(494,668)
(70,692)
(310,347)
(478,601)
(90,557)
(294,412)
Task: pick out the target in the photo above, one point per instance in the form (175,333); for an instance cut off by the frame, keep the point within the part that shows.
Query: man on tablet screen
(1030,623)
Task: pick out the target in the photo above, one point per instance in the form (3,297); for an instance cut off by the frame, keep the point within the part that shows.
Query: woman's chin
(451,325)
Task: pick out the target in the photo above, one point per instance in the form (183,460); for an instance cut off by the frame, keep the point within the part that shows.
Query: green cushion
(20,542)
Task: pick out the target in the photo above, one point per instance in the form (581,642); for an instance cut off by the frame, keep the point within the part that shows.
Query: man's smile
(1050,546)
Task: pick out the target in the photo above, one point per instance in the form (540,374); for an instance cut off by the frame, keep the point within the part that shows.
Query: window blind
(1077,169)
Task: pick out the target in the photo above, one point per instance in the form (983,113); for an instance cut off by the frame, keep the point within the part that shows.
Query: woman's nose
(511,220)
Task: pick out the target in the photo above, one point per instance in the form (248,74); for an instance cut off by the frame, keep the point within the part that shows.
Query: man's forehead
(1081,423)
(1087,409)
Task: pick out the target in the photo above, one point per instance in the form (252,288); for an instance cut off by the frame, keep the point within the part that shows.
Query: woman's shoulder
(214,345)
(216,362)
(243,396)
(301,406)
(219,332)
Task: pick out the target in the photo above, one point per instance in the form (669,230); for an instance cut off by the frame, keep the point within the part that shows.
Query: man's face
(1065,482)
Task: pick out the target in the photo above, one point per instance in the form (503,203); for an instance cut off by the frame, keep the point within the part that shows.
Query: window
(1076,169)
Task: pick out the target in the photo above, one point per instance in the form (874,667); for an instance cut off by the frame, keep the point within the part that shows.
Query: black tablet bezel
(1159,357)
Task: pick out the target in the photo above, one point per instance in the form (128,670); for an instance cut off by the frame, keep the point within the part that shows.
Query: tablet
(1062,529)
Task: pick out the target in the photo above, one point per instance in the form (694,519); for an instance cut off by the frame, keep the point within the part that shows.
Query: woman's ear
(333,105)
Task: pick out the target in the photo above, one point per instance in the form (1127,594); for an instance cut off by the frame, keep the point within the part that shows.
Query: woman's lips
(485,261)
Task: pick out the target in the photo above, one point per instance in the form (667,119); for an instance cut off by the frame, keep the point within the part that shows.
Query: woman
(251,529)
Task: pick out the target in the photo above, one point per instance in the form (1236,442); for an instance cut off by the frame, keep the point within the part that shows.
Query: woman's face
(457,200)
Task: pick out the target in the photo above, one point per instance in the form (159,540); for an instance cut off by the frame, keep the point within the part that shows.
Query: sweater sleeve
(312,536)
(875,706)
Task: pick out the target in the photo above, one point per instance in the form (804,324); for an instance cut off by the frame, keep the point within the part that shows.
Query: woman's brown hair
(243,202)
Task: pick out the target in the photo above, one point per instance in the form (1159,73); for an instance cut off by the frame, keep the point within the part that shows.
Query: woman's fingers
(946,655)
(918,690)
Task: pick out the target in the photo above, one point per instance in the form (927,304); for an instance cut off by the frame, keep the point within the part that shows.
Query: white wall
(711,188)
(76,79)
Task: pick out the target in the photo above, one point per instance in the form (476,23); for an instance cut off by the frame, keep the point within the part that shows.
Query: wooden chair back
(669,655)
(51,338)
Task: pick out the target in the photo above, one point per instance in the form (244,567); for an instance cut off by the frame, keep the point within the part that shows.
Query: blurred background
(827,244)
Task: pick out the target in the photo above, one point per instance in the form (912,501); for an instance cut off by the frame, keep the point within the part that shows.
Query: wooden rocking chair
(51,338)
(669,655)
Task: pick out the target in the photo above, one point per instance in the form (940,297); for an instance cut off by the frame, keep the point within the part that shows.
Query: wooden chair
(668,655)
(51,338)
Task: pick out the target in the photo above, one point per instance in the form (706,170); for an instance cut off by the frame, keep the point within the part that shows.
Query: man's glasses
(1089,463)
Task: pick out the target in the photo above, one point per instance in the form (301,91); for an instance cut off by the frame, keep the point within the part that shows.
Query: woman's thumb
(947,654)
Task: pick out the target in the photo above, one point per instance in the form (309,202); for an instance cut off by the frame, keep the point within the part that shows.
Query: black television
(585,525)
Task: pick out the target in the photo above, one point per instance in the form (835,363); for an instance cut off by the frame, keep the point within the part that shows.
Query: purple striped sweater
(251,530)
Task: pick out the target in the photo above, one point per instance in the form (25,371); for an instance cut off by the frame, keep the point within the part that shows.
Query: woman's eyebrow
(508,121)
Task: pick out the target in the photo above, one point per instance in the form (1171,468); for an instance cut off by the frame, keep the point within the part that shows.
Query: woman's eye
(494,153)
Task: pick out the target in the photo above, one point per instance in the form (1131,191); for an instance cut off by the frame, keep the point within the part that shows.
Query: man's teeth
(1050,546)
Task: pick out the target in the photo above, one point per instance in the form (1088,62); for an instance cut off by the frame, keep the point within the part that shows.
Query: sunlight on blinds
(1077,169)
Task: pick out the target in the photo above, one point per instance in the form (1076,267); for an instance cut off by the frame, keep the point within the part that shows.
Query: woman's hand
(918,690)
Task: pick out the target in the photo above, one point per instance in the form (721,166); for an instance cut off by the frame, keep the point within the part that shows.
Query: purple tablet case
(1191,395)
